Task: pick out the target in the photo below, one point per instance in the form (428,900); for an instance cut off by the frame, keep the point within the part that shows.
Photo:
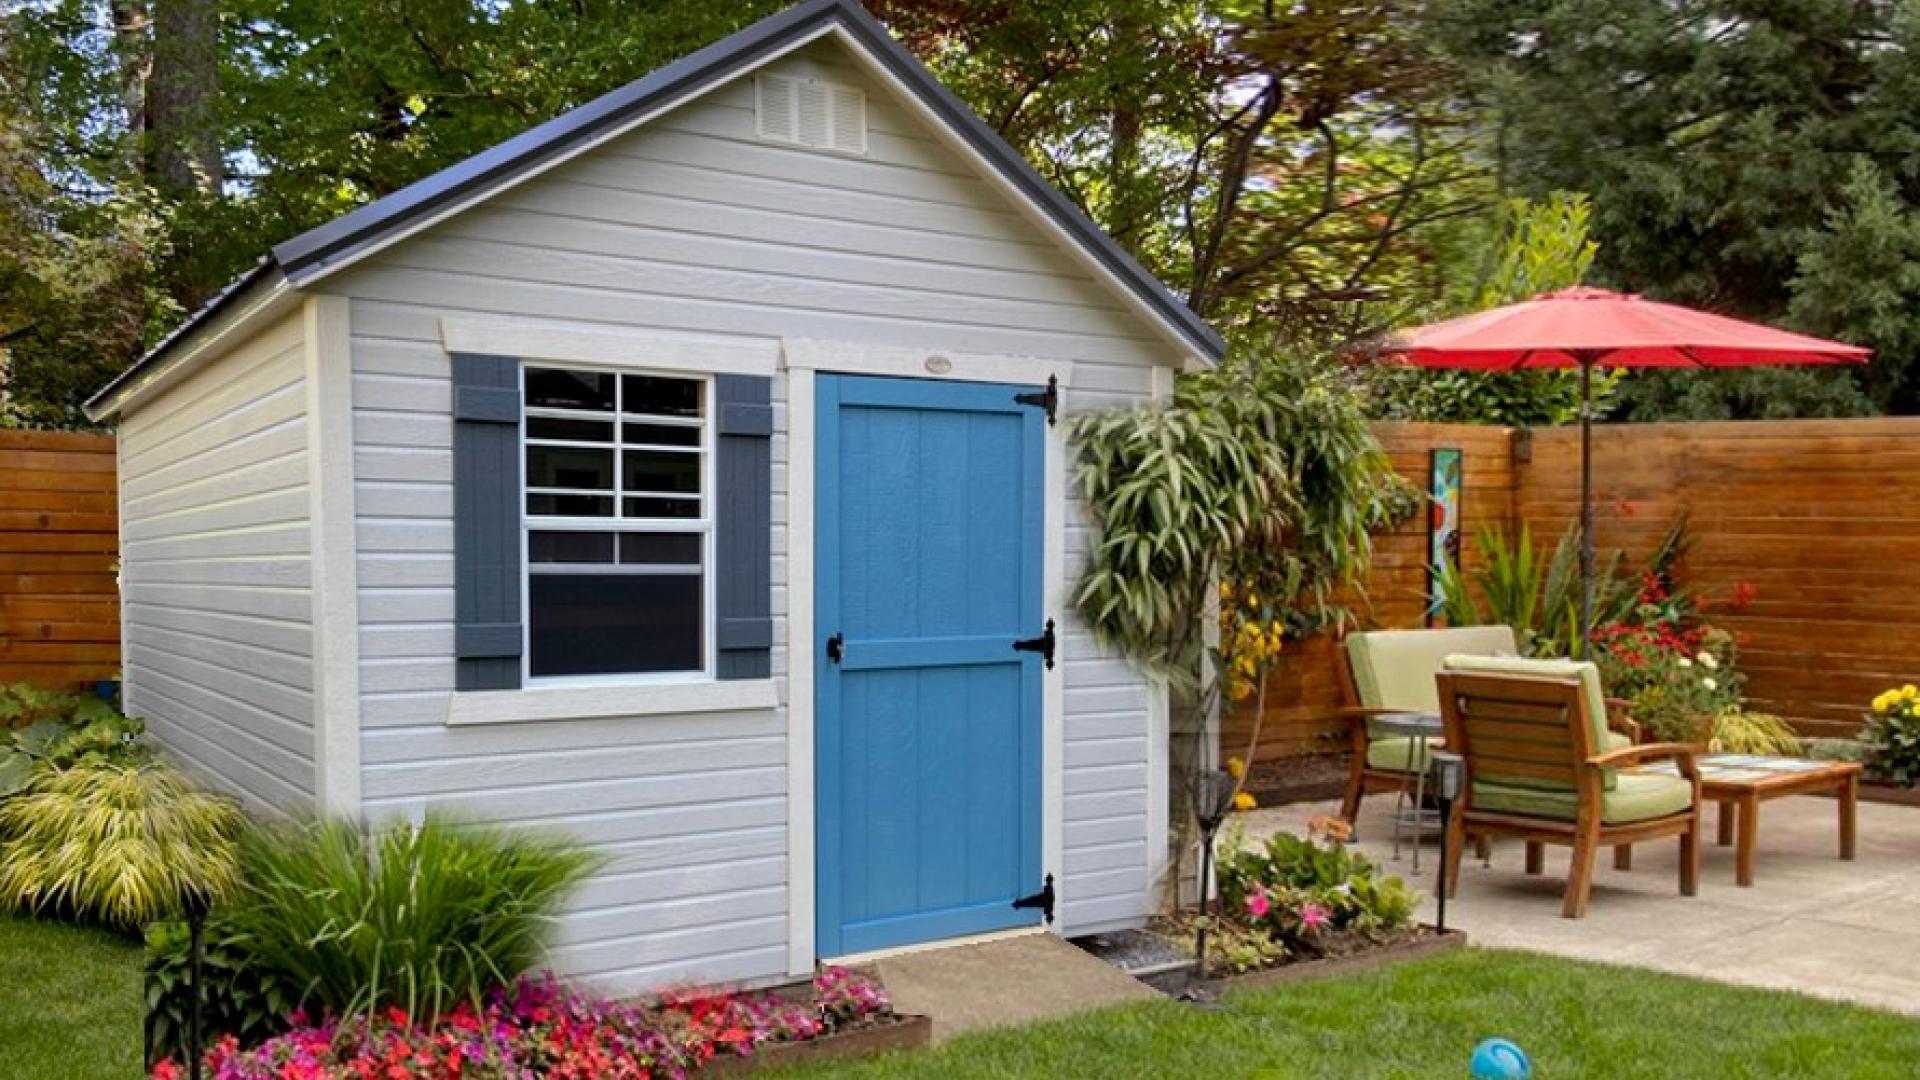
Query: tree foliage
(1524,248)
(1268,160)
(1741,156)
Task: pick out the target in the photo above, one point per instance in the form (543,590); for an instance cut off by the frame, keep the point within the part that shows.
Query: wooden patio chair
(1392,671)
(1533,736)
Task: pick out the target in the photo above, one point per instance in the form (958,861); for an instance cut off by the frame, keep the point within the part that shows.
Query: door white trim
(801,462)
(855,358)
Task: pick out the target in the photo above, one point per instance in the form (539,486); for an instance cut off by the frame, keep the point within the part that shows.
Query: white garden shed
(683,476)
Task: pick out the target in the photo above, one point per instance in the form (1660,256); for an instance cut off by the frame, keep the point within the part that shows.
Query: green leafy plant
(118,843)
(49,727)
(1892,736)
(235,999)
(1540,597)
(1304,889)
(1263,475)
(416,916)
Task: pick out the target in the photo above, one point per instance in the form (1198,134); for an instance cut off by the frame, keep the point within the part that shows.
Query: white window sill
(469,708)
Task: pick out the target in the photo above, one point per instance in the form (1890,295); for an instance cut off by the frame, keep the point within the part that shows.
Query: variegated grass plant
(119,843)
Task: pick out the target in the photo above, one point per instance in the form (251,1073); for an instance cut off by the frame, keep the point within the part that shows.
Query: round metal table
(1419,729)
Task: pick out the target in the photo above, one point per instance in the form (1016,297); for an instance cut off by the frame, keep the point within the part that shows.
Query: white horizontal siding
(215,583)
(693,228)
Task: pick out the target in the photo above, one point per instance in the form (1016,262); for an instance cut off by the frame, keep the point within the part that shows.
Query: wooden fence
(59,607)
(1820,517)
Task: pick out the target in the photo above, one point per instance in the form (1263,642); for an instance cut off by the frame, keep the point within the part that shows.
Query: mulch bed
(1298,779)
(1425,941)
(877,1036)
(1336,954)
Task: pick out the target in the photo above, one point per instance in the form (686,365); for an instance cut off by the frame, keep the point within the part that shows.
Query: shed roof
(317,253)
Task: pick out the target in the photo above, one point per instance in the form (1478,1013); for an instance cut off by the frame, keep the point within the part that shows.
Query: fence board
(59,605)
(1822,517)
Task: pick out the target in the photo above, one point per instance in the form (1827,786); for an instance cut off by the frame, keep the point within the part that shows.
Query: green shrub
(236,998)
(416,916)
(118,843)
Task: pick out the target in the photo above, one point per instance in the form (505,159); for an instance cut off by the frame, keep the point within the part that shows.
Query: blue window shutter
(486,522)
(743,526)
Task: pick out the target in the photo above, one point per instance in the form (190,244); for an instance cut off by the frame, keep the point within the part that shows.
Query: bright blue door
(928,527)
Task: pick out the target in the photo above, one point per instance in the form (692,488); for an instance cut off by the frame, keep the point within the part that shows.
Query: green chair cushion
(1394,669)
(1390,754)
(1584,671)
(1635,797)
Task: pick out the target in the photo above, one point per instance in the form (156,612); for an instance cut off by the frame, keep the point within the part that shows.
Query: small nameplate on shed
(939,365)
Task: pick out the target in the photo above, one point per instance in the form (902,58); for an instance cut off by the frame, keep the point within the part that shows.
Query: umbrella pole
(1586,507)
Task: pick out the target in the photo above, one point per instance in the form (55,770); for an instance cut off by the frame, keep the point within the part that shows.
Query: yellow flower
(1236,768)
(1244,801)
(1884,702)
(1910,692)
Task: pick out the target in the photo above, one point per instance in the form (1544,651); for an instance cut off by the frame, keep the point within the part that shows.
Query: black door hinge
(1048,399)
(1042,645)
(836,648)
(1042,900)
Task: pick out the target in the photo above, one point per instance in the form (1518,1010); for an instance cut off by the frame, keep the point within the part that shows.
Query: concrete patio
(1811,923)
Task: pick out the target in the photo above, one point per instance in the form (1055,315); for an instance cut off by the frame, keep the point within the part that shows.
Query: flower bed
(1301,903)
(540,1028)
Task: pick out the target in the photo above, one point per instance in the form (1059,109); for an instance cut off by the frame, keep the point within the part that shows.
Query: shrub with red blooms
(541,1030)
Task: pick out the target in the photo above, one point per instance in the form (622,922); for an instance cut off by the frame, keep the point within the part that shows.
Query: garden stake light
(1211,791)
(1449,777)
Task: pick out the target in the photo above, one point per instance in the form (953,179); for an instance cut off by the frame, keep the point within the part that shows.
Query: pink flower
(1257,904)
(1313,916)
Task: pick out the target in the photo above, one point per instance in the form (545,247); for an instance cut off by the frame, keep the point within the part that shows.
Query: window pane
(569,467)
(662,472)
(570,505)
(549,427)
(662,435)
(549,388)
(607,624)
(569,547)
(662,508)
(660,549)
(664,397)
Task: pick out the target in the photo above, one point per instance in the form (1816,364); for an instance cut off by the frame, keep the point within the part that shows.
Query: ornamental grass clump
(422,918)
(121,844)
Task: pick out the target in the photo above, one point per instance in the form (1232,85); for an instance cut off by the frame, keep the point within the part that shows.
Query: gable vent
(808,112)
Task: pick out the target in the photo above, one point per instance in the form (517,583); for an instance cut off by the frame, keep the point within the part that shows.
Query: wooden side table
(1741,782)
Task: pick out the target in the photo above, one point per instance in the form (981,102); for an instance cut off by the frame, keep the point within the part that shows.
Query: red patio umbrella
(1584,328)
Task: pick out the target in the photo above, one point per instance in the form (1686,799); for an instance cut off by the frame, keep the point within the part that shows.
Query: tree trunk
(131,44)
(186,64)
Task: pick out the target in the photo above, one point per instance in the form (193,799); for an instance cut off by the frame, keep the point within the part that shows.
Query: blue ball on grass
(1499,1059)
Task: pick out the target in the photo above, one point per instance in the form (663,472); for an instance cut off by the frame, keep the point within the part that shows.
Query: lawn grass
(1422,1019)
(69,1003)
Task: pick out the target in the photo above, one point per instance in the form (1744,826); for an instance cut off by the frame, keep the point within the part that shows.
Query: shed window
(619,523)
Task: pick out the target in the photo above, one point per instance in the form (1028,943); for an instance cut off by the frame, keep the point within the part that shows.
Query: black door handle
(836,648)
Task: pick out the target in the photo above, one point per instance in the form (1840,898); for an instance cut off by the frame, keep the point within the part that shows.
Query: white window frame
(702,525)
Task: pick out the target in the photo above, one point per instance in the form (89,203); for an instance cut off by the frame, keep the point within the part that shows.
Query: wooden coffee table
(1741,782)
